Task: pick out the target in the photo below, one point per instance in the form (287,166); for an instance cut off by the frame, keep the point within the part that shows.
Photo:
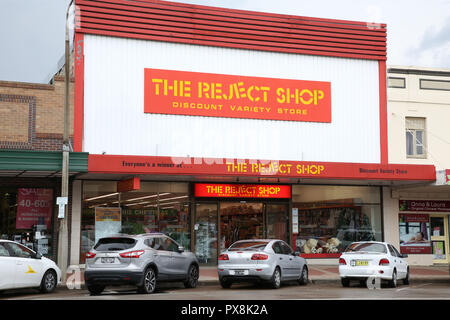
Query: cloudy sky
(32,31)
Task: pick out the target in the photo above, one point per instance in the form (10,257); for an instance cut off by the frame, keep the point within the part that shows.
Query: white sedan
(372,260)
(21,267)
(258,260)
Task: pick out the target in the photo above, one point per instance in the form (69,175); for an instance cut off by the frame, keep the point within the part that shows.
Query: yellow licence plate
(361,263)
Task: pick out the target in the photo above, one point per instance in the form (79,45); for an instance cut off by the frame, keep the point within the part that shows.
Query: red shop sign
(129,184)
(34,206)
(232,96)
(242,190)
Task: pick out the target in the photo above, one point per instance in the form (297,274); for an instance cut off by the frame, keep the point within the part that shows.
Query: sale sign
(219,95)
(242,190)
(34,207)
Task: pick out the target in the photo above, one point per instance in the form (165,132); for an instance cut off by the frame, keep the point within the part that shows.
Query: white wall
(115,123)
(433,105)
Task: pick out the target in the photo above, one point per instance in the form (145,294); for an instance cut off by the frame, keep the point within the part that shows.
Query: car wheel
(303,276)
(363,282)
(406,280)
(95,290)
(393,282)
(226,284)
(149,284)
(49,282)
(192,277)
(275,282)
(345,282)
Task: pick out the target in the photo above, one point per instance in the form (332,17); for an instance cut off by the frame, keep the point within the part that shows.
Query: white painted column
(76,223)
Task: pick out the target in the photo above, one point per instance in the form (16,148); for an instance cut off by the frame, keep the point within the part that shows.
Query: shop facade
(250,125)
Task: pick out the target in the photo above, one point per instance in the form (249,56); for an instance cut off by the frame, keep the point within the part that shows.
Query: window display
(414,233)
(330,218)
(26,217)
(155,207)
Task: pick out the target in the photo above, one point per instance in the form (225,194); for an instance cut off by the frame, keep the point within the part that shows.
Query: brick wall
(32,115)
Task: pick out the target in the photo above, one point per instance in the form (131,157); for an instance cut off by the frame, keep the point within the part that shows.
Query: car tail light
(260,256)
(342,262)
(90,255)
(132,254)
(384,262)
(224,256)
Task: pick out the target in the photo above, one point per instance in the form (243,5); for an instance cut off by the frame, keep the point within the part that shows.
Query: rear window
(366,247)
(114,244)
(249,245)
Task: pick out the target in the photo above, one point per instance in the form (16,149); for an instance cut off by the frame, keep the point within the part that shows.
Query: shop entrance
(439,238)
(219,224)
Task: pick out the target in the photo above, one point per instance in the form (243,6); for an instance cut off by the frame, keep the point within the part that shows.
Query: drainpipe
(63,243)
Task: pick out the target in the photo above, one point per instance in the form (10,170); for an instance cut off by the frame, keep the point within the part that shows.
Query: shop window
(330,218)
(415,137)
(155,207)
(26,216)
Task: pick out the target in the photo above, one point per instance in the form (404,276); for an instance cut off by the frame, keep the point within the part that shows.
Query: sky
(32,31)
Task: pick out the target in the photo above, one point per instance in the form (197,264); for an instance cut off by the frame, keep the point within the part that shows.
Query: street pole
(63,243)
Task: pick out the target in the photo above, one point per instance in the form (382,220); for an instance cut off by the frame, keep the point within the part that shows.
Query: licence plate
(108,260)
(361,263)
(240,272)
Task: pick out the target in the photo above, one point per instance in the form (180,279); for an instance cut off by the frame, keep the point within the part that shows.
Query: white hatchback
(371,260)
(21,267)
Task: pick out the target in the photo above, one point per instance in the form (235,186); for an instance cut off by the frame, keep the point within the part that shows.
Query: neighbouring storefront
(29,185)
(424,228)
(251,125)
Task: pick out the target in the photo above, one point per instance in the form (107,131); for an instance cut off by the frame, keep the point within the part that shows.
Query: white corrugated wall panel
(115,122)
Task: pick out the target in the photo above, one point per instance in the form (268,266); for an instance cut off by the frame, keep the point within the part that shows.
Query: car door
(179,265)
(294,267)
(281,259)
(402,264)
(28,270)
(7,267)
(397,261)
(163,258)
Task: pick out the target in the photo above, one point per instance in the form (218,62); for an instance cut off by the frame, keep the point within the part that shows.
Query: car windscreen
(114,244)
(248,246)
(367,247)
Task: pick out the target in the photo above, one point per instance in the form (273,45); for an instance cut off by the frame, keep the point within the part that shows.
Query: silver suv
(141,260)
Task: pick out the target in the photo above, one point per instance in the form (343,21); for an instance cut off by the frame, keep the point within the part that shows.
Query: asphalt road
(322,290)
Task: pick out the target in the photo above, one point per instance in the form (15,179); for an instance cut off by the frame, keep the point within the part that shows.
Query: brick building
(31,136)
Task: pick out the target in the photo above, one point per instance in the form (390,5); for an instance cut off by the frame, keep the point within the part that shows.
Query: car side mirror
(180,249)
(404,255)
(296,254)
(37,256)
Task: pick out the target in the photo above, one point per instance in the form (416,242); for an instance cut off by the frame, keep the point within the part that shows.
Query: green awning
(18,162)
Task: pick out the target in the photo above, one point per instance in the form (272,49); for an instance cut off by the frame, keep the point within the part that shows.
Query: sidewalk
(317,273)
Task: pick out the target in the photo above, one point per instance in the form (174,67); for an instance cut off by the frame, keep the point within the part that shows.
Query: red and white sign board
(34,206)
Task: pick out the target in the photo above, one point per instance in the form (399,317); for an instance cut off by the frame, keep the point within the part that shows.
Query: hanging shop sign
(34,207)
(414,233)
(129,184)
(424,205)
(231,96)
(242,191)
